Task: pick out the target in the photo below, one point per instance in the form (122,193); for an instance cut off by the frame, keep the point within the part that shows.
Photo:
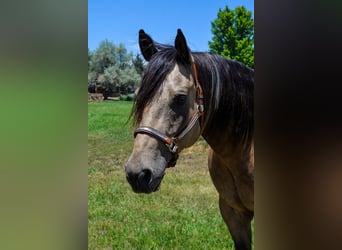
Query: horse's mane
(227,86)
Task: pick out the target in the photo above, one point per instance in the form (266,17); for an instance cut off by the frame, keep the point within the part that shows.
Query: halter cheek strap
(172,142)
(199,96)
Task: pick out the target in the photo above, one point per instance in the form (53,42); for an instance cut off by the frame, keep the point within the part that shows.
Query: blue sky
(120,21)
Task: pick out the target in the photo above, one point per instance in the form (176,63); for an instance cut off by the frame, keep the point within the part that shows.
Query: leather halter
(172,142)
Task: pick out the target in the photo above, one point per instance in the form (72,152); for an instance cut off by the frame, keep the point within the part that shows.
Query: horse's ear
(146,45)
(182,47)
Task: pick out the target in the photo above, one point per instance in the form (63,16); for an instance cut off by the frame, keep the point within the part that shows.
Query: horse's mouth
(152,187)
(143,184)
(155,185)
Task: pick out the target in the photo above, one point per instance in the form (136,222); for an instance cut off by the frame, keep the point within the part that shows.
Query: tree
(129,78)
(122,57)
(103,57)
(138,63)
(233,35)
(112,68)
(115,79)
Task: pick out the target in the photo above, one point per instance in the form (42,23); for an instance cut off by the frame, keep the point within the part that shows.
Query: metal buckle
(200,108)
(173,146)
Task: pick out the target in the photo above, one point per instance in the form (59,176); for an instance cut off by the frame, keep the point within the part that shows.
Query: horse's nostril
(145,177)
(141,181)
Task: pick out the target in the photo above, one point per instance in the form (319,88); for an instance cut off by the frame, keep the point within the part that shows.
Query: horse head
(167,112)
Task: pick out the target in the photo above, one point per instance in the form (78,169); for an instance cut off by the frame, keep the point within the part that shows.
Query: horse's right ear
(182,47)
(146,45)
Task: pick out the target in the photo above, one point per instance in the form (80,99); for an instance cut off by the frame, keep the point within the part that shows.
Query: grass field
(183,214)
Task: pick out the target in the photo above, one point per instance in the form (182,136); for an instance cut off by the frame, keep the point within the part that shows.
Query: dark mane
(227,86)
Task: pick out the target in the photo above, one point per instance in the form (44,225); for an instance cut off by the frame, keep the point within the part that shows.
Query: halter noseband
(172,142)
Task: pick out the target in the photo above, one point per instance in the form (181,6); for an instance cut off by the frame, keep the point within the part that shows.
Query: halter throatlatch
(172,142)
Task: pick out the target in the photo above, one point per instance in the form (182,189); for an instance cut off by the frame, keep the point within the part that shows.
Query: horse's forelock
(155,73)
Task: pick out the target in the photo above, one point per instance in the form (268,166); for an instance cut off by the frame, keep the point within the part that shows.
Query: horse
(184,95)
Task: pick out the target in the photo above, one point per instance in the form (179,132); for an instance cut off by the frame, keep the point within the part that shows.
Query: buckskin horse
(182,96)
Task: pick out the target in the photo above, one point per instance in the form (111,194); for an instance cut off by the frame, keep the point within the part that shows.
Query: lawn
(183,214)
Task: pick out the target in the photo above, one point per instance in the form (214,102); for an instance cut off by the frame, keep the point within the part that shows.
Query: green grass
(183,214)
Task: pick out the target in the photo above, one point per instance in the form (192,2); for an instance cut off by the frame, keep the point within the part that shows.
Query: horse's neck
(221,140)
(216,133)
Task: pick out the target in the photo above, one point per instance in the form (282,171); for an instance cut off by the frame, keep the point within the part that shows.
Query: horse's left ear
(146,45)
(182,47)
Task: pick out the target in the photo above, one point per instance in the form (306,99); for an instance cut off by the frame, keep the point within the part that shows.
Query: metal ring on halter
(173,146)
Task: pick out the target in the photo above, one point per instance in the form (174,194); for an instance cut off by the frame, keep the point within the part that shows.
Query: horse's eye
(180,99)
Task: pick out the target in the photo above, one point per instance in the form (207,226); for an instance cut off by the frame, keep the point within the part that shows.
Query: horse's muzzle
(143,181)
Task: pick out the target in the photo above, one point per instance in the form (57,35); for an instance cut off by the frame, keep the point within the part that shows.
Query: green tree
(123,58)
(116,79)
(129,78)
(110,77)
(112,67)
(103,57)
(233,35)
(138,63)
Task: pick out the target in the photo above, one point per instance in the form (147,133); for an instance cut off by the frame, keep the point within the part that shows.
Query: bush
(129,97)
(123,97)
